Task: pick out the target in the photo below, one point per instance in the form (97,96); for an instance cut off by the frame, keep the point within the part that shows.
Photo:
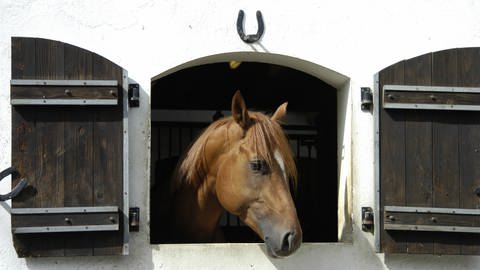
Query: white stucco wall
(354,38)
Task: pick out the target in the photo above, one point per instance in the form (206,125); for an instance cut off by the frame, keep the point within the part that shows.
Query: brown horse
(242,164)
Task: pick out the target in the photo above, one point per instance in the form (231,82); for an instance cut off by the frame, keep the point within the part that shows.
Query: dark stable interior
(264,87)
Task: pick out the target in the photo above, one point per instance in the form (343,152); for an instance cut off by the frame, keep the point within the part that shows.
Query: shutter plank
(418,162)
(49,129)
(49,56)
(23,124)
(23,58)
(23,149)
(108,157)
(23,139)
(468,70)
(49,159)
(446,180)
(79,174)
(49,168)
(79,159)
(470,175)
(78,63)
(79,154)
(392,156)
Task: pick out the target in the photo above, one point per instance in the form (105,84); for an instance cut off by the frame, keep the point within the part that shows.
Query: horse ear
(239,110)
(280,112)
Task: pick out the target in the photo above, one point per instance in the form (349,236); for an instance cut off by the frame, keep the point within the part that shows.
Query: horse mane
(264,134)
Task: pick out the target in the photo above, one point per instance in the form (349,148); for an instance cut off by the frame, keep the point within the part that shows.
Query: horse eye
(259,166)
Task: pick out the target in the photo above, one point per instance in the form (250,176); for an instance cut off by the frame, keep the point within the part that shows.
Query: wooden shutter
(69,140)
(429,154)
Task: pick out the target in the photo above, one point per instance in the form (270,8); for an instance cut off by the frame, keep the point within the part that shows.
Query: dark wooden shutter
(69,141)
(429,154)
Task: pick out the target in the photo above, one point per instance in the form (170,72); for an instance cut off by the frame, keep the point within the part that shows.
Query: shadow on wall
(359,255)
(419,261)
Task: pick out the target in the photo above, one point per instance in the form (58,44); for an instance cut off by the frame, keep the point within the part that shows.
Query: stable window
(428,163)
(186,101)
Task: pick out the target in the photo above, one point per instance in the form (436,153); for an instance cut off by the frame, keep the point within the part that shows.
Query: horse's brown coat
(217,173)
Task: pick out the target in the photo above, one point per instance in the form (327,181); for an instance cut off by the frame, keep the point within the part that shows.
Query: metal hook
(17,189)
(241,32)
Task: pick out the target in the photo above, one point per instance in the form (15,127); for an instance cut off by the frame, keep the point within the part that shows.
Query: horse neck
(197,208)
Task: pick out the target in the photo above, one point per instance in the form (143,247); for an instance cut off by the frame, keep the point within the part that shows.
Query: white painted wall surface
(354,38)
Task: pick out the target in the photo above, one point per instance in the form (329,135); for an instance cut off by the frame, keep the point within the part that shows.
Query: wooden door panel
(428,156)
(71,154)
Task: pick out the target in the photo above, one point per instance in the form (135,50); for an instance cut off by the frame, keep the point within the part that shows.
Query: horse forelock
(265,136)
(268,139)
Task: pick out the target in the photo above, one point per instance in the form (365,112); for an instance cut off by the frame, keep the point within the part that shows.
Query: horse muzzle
(282,242)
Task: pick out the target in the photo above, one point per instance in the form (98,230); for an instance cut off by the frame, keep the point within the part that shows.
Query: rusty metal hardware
(367,219)
(134,218)
(366,98)
(134,95)
(250,38)
(17,189)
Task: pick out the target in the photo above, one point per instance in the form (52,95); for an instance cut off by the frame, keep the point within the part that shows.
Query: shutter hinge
(134,219)
(367,219)
(366,98)
(134,95)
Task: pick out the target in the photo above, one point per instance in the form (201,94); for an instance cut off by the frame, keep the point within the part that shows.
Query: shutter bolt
(390,96)
(68,92)
(112,219)
(433,98)
(433,219)
(68,221)
(390,217)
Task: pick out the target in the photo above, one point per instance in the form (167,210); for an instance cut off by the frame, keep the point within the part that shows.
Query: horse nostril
(287,241)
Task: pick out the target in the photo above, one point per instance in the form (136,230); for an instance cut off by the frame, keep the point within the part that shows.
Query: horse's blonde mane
(264,135)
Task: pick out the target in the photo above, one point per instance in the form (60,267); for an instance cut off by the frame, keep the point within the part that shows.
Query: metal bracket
(134,217)
(241,32)
(425,97)
(134,95)
(366,98)
(367,219)
(65,219)
(64,92)
(17,189)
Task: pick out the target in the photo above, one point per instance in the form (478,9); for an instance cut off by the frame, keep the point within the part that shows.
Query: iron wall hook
(241,32)
(17,189)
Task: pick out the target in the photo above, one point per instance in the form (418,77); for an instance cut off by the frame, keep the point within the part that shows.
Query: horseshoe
(241,32)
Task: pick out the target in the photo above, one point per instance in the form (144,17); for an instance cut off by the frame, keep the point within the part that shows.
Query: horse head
(253,177)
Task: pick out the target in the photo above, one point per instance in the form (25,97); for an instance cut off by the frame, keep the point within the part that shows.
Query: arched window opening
(186,101)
